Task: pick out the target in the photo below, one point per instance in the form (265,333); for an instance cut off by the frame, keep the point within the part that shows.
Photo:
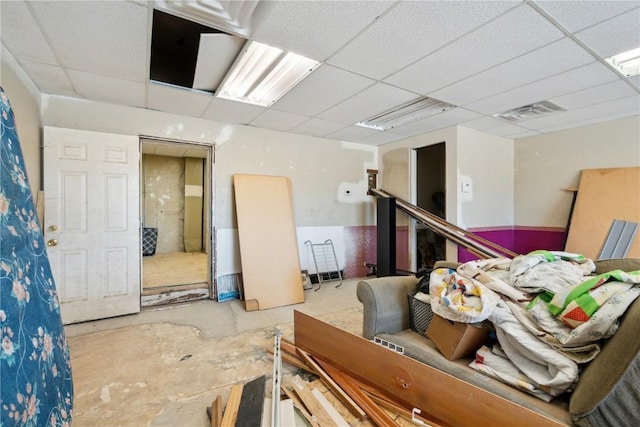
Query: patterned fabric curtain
(35,371)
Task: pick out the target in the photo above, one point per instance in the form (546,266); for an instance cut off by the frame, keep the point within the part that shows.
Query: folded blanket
(536,359)
(575,305)
(602,324)
(459,298)
(495,364)
(542,271)
(492,274)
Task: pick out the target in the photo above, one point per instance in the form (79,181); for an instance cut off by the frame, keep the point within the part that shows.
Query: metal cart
(326,262)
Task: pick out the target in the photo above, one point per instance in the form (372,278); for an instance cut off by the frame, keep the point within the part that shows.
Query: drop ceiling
(485,57)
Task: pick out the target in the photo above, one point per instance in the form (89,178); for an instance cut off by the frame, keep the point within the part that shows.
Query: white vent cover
(529,111)
(406,113)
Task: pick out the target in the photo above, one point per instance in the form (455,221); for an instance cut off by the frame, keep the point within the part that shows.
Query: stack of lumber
(337,399)
(355,382)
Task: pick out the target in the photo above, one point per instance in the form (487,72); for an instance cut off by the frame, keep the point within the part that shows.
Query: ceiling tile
(595,95)
(484,123)
(352,133)
(216,53)
(544,62)
(21,34)
(323,88)
(614,36)
(278,120)
(587,122)
(48,78)
(439,121)
(317,127)
(629,105)
(178,101)
(108,89)
(223,110)
(411,30)
(316,29)
(577,15)
(380,138)
(485,56)
(375,99)
(571,81)
(522,134)
(519,31)
(236,16)
(508,129)
(108,38)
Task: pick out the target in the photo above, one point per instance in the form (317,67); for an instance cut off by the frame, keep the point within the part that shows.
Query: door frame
(180,147)
(413,199)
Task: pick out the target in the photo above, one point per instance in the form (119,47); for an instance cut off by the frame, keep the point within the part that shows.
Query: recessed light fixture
(627,63)
(262,74)
(409,112)
(529,111)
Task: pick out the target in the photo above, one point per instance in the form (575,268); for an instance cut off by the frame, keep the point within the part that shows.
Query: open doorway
(175,212)
(430,195)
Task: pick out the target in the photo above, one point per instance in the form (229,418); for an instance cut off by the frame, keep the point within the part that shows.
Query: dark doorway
(430,195)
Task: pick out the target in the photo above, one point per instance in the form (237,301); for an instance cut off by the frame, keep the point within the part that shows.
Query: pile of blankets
(549,311)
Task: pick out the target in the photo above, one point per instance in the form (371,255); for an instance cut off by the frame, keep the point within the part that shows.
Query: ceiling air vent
(530,111)
(406,113)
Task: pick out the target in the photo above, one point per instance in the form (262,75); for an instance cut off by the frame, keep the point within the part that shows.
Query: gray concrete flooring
(164,366)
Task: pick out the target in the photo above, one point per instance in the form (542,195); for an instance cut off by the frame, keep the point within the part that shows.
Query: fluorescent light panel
(406,113)
(263,74)
(626,63)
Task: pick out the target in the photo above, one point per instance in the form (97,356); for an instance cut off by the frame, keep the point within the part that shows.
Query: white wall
(25,102)
(545,165)
(395,169)
(486,161)
(320,170)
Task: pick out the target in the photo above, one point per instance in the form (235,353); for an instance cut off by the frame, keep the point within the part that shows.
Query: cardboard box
(456,340)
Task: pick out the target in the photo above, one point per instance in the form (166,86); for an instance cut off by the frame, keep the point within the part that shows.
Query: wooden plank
(603,195)
(411,383)
(231,410)
(329,408)
(288,346)
(377,414)
(289,355)
(250,408)
(396,408)
(353,407)
(301,388)
(216,412)
(300,405)
(268,243)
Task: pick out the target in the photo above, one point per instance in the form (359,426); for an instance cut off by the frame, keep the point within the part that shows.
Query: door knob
(52,242)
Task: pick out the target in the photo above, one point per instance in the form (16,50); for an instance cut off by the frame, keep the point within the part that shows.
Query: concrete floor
(164,366)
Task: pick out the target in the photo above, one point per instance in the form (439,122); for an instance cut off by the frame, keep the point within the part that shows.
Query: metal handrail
(478,245)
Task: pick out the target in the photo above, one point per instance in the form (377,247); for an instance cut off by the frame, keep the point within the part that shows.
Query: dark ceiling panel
(174,48)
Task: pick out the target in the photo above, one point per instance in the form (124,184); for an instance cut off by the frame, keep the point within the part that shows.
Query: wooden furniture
(438,395)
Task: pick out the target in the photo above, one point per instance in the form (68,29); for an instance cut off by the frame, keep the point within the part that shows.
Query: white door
(91,222)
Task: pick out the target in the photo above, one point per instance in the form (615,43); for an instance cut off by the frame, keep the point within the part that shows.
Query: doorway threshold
(176,294)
